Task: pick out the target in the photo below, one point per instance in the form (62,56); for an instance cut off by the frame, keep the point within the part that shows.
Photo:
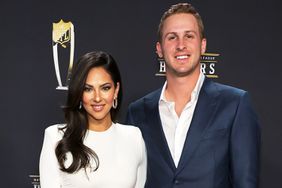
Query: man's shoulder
(154,96)
(223,89)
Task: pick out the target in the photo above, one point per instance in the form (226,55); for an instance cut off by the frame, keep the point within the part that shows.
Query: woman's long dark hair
(76,118)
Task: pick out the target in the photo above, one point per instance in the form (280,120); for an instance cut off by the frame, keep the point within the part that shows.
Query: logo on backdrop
(35,181)
(63,42)
(208,65)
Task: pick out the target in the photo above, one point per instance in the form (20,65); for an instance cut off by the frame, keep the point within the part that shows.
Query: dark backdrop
(246,34)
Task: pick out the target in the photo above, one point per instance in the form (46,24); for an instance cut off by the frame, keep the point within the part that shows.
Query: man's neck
(179,89)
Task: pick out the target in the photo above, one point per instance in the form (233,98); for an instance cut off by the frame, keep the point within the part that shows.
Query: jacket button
(176,182)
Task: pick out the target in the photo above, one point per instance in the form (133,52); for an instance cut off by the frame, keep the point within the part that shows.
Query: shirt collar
(195,93)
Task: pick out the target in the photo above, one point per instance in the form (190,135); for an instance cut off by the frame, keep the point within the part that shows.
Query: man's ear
(203,46)
(159,50)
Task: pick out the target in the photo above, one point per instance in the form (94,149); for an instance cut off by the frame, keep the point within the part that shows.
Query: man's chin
(183,72)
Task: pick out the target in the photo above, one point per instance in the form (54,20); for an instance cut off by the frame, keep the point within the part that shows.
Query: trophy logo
(208,65)
(63,38)
(35,181)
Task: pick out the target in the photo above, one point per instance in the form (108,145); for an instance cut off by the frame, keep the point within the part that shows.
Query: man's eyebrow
(190,31)
(172,33)
(175,33)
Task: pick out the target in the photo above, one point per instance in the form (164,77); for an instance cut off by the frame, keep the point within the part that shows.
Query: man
(198,133)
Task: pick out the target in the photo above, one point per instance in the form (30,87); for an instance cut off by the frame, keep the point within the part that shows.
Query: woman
(90,150)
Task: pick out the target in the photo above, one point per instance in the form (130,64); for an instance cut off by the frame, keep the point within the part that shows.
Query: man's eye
(171,37)
(190,36)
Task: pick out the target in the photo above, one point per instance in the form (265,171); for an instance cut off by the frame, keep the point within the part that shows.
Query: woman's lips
(97,108)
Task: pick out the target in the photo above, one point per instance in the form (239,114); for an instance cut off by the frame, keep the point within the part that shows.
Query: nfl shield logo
(63,37)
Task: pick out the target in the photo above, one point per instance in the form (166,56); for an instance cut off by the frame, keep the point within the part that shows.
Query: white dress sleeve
(48,164)
(142,169)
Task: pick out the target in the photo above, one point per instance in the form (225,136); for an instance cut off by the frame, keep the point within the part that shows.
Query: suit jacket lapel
(203,113)
(154,122)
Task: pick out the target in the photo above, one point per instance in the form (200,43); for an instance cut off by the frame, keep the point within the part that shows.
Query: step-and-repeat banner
(40,41)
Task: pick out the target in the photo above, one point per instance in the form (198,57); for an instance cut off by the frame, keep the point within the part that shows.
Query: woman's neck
(99,125)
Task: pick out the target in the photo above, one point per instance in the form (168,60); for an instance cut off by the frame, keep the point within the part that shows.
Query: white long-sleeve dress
(122,155)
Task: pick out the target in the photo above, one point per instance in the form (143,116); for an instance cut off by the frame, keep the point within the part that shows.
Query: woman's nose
(97,96)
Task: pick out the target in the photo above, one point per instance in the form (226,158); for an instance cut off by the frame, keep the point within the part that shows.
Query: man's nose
(181,44)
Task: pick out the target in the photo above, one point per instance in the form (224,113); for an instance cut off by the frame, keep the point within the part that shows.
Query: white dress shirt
(175,128)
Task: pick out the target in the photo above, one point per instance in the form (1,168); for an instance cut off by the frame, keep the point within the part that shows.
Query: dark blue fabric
(222,146)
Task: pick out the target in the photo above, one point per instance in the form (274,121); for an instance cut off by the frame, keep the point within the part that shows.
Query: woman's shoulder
(128,129)
(56,130)
(132,140)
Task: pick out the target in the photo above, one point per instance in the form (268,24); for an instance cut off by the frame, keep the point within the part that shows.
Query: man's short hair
(179,8)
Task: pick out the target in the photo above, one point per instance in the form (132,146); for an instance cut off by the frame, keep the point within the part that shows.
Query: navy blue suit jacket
(221,149)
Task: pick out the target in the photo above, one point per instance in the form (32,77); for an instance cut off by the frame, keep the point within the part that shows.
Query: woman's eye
(106,88)
(87,89)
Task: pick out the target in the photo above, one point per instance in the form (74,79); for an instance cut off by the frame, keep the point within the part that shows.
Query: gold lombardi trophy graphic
(63,36)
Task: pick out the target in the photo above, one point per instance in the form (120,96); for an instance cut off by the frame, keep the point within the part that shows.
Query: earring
(80,105)
(115,103)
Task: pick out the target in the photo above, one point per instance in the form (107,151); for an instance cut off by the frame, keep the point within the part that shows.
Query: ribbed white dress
(122,155)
